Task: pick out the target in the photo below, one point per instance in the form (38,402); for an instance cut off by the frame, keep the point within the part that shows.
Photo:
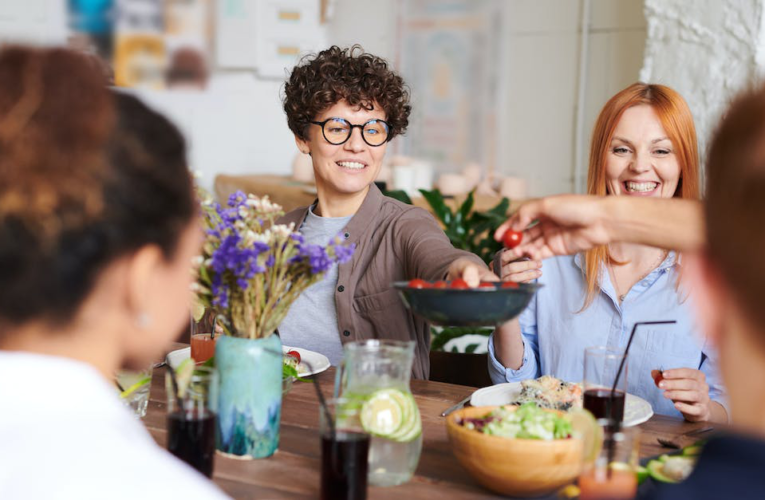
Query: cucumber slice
(411,427)
(656,471)
(382,414)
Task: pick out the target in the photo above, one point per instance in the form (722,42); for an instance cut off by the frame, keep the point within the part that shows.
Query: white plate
(636,409)
(319,362)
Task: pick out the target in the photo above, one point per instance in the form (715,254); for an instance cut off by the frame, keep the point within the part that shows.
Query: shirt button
(346,333)
(347,235)
(341,288)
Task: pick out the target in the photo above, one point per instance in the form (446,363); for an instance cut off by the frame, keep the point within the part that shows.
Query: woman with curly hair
(344,107)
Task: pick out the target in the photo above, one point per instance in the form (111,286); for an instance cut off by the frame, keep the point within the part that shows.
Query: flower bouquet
(251,270)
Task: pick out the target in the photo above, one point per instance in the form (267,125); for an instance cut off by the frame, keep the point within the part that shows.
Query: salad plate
(636,409)
(316,361)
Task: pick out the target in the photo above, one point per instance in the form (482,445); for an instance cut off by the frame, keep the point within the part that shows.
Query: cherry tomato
(511,238)
(657,376)
(440,284)
(418,283)
(509,284)
(294,354)
(459,283)
(486,284)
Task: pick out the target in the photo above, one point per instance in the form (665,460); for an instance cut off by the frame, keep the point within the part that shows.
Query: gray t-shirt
(311,322)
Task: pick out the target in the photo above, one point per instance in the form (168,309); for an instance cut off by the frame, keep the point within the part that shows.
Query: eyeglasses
(338,130)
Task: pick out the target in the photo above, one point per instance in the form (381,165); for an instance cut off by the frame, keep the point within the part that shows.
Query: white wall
(542,65)
(707,53)
(33,21)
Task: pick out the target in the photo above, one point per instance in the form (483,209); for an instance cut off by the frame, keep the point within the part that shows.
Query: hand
(567,224)
(520,271)
(469,271)
(688,389)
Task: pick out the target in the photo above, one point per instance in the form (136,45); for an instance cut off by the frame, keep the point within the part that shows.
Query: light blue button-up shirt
(555,334)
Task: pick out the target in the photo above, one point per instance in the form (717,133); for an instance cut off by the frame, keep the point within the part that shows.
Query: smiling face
(641,160)
(348,168)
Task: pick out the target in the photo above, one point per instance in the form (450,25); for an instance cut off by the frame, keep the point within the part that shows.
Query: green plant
(467,229)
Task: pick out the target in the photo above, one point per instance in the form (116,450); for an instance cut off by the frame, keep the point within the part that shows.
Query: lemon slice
(130,390)
(586,428)
(183,374)
(197,309)
(382,414)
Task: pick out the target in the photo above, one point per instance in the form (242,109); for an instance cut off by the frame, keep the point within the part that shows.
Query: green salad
(526,422)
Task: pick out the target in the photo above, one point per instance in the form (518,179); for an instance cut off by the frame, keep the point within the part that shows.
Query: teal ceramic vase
(250,396)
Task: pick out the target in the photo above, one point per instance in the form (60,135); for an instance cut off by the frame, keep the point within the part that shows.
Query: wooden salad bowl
(510,466)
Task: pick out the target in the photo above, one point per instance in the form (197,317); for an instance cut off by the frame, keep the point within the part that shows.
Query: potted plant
(250,271)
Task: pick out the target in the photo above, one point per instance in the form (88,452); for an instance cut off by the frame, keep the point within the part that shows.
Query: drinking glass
(613,474)
(600,367)
(344,451)
(134,389)
(203,336)
(191,418)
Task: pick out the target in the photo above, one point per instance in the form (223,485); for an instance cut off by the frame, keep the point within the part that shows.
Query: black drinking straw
(610,402)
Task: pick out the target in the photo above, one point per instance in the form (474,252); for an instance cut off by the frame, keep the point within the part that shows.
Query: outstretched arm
(573,223)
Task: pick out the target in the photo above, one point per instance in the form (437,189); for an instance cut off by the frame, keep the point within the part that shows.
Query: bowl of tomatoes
(454,303)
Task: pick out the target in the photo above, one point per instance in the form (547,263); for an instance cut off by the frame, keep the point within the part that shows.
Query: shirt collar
(70,389)
(669,261)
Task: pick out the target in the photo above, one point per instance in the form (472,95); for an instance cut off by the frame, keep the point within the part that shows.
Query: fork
(670,443)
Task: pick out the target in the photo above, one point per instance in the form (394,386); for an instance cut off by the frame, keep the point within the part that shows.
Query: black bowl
(467,307)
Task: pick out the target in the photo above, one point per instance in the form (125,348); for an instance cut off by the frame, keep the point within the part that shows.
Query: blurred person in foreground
(344,106)
(97,230)
(643,146)
(724,241)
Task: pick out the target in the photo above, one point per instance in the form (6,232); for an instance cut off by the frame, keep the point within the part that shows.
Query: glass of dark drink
(191,418)
(600,367)
(344,451)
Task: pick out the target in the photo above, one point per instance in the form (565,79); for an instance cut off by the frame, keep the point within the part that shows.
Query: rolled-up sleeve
(530,366)
(428,252)
(717,390)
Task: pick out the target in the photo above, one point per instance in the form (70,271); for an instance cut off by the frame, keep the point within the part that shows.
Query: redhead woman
(644,145)
(97,230)
(344,107)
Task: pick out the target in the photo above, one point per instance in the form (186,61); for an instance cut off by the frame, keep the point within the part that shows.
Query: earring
(143,320)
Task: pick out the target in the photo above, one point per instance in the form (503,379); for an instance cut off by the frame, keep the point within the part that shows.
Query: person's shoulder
(391,207)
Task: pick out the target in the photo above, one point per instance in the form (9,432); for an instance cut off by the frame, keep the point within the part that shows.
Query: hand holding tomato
(512,239)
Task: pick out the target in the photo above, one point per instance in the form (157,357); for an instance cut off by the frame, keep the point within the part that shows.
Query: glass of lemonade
(134,389)
(374,377)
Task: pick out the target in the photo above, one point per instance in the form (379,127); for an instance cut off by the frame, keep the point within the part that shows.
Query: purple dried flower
(344,253)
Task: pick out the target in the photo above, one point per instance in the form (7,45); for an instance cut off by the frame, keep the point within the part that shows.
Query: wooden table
(294,471)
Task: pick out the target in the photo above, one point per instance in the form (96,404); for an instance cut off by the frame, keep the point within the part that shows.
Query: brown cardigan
(394,242)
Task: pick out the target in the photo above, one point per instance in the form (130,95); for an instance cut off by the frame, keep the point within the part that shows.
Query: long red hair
(677,121)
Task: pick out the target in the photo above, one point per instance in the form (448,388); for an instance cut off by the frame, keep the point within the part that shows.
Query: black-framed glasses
(338,130)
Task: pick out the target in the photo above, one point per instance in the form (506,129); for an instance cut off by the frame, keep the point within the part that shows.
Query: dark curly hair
(86,175)
(362,79)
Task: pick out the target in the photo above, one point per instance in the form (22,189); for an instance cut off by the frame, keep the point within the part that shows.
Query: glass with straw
(203,336)
(192,403)
(344,451)
(613,473)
